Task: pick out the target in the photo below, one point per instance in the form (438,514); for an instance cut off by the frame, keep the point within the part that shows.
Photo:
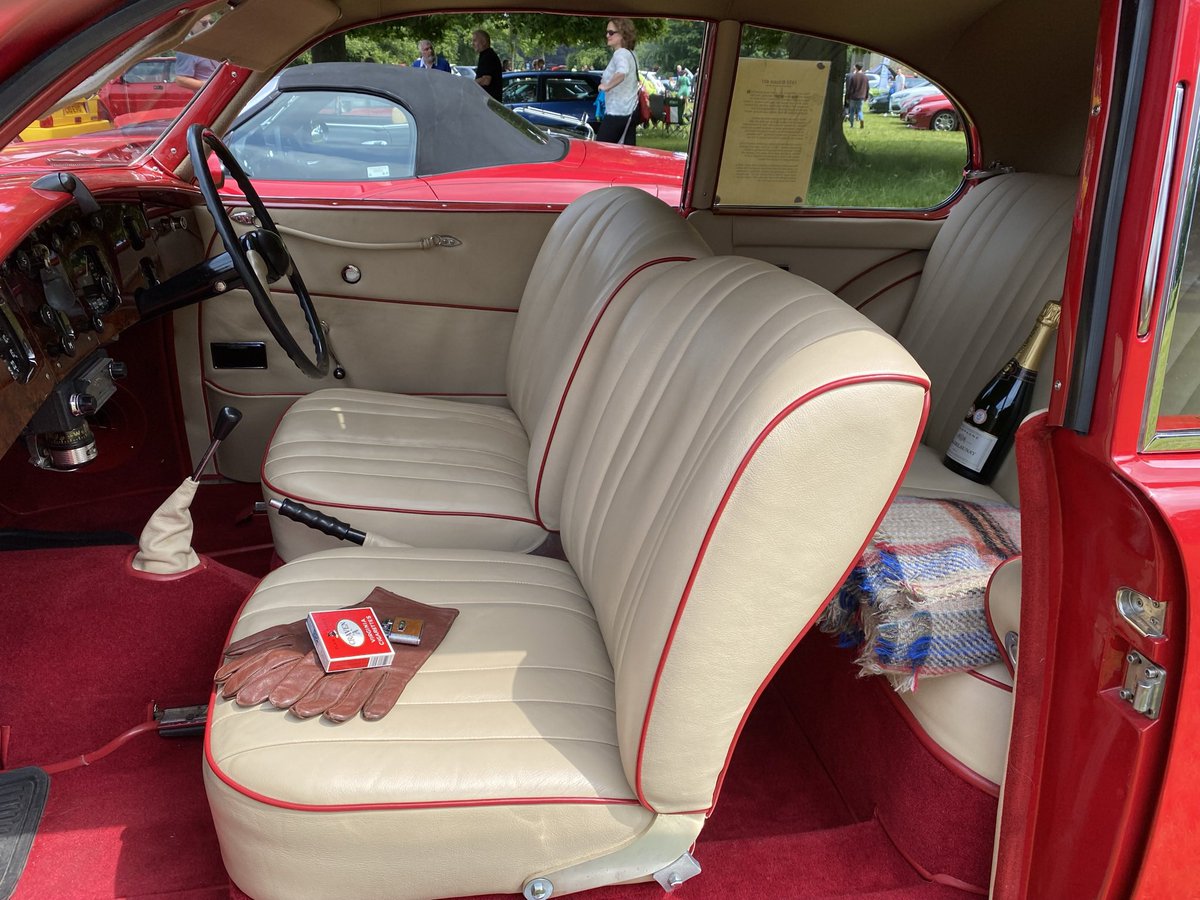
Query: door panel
(872,264)
(421,321)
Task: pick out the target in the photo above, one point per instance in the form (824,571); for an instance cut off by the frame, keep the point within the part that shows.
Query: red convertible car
(763,529)
(933,113)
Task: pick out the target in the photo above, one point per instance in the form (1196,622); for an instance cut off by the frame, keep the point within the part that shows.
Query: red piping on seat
(349,807)
(562,400)
(879,293)
(882,262)
(412,512)
(712,526)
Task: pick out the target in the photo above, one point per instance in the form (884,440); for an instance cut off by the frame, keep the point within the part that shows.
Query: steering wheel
(267,243)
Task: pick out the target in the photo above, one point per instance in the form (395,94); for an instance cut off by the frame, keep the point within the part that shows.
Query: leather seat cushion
(927,477)
(516,707)
(416,470)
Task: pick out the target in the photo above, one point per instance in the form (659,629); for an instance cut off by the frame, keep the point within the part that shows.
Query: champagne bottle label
(971,447)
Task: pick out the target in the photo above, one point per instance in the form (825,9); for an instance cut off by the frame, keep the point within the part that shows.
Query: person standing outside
(428,59)
(898,84)
(857,90)
(489,71)
(191,71)
(620,85)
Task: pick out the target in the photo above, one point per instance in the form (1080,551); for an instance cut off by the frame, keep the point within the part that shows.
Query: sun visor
(263,34)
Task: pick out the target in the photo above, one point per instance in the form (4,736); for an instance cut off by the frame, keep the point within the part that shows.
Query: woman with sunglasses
(620,85)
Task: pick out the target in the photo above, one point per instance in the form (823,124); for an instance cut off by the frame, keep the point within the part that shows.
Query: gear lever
(227,420)
(165,547)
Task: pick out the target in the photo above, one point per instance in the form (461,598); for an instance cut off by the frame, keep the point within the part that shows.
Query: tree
(832,147)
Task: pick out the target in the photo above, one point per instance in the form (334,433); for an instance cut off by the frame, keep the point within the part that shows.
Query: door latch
(1144,684)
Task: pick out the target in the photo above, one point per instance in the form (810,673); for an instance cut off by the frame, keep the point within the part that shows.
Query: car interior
(638,447)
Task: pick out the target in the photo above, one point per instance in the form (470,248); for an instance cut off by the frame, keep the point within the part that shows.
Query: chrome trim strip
(1152,440)
(1154,257)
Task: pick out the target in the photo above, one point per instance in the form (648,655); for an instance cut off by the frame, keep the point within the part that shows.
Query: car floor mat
(22,799)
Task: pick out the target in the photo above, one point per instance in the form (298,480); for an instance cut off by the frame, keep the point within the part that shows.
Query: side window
(148,72)
(570,89)
(520,90)
(1173,413)
(326,136)
(817,123)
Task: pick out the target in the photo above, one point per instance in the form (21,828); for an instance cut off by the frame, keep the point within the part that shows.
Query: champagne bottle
(987,432)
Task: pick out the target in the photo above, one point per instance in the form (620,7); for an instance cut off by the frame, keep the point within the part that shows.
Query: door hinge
(1145,682)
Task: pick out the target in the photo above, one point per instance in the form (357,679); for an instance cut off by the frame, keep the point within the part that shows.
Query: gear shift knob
(227,420)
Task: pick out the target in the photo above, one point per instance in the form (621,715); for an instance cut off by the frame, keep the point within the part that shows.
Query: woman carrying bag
(620,85)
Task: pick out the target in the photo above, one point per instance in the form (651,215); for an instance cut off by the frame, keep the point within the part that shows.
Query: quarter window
(817,123)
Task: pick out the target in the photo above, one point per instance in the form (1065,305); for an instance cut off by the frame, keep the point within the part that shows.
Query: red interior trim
(462,306)
(959,768)
(882,291)
(562,400)
(712,526)
(882,262)
(988,680)
(400,510)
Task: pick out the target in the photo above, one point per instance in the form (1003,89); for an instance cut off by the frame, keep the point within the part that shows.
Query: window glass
(820,123)
(520,89)
(570,89)
(326,136)
(1174,412)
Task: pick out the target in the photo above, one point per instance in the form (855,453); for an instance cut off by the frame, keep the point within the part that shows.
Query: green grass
(891,165)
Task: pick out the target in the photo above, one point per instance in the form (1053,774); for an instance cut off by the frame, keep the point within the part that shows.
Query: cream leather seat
(442,473)
(744,433)
(1000,256)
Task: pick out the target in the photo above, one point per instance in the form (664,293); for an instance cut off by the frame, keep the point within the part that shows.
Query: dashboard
(67,291)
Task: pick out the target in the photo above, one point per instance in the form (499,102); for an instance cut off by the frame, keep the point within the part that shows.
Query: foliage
(679,44)
(520,37)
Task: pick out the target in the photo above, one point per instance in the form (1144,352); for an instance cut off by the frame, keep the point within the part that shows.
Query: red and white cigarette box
(349,639)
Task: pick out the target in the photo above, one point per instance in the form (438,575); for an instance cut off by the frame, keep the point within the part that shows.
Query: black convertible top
(458,125)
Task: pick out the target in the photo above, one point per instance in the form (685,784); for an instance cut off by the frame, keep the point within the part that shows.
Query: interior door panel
(432,320)
(872,264)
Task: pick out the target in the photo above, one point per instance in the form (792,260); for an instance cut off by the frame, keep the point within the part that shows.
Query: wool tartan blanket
(913,603)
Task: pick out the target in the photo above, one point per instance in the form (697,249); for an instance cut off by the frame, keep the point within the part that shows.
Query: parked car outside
(109,266)
(81,117)
(146,85)
(571,93)
(879,102)
(365,130)
(463,71)
(933,113)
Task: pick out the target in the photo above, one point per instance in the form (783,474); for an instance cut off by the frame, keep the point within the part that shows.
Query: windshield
(117,114)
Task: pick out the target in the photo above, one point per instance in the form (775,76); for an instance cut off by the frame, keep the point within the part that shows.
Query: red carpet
(796,818)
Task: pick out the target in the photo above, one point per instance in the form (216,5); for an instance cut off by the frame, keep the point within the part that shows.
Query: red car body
(1106,805)
(933,113)
(147,85)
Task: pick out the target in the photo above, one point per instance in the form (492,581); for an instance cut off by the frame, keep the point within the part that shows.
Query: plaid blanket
(913,604)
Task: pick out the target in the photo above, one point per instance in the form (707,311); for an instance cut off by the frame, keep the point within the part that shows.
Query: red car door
(1103,784)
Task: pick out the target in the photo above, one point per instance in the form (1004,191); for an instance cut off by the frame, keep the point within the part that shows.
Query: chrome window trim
(1154,440)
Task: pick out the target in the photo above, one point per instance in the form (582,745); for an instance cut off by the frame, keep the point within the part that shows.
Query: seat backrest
(742,439)
(1000,256)
(592,259)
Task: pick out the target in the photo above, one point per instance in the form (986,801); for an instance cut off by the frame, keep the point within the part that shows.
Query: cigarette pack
(348,639)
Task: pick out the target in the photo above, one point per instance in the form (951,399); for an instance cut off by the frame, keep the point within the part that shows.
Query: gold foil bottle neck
(1050,314)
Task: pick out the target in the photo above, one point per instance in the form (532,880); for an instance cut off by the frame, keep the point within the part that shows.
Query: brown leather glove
(278,664)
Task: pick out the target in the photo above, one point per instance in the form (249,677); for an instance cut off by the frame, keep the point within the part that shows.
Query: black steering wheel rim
(198,139)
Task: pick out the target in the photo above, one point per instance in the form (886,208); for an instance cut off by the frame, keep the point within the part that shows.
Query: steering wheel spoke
(264,242)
